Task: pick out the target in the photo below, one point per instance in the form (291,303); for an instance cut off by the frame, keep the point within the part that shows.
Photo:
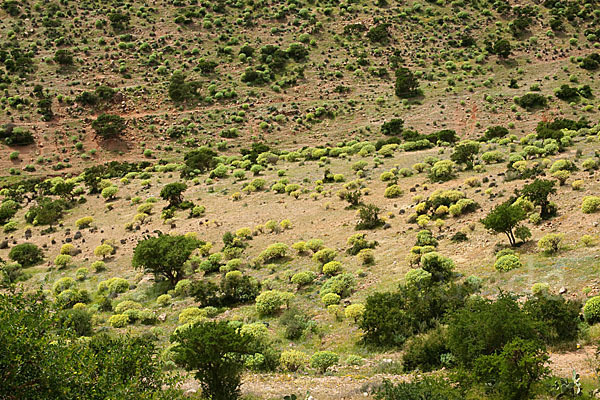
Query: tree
(165,255)
(202,159)
(502,48)
(407,84)
(173,193)
(465,152)
(215,352)
(26,254)
(538,193)
(108,125)
(369,217)
(63,57)
(103,250)
(504,218)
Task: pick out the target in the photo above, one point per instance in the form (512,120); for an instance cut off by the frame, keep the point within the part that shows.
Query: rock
(68,240)
(173,225)
(562,290)
(162,317)
(4,244)
(28,234)
(387,226)
(123,241)
(77,235)
(190,392)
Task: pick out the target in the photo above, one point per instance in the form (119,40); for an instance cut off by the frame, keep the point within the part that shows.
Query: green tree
(173,193)
(407,84)
(63,57)
(215,352)
(504,218)
(108,125)
(512,372)
(465,153)
(165,255)
(538,193)
(201,160)
(502,48)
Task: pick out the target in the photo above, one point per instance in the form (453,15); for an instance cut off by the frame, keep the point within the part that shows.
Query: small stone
(562,290)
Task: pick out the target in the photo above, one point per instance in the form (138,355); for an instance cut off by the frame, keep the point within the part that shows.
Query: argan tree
(504,218)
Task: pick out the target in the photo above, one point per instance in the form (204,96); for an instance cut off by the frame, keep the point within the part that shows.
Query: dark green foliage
(79,321)
(39,360)
(297,52)
(15,136)
(354,29)
(173,193)
(164,255)
(26,254)
(199,160)
(511,372)
(8,209)
(504,218)
(360,244)
(520,25)
(46,212)
(118,20)
(11,273)
(407,84)
(379,33)
(101,94)
(63,57)
(427,388)
(558,316)
(214,352)
(567,93)
(538,192)
(591,62)
(426,238)
(391,318)
(502,48)
(109,125)
(113,169)
(180,90)
(485,326)
(552,130)
(207,66)
(369,217)
(531,101)
(295,323)
(392,127)
(237,290)
(465,153)
(425,351)
(495,132)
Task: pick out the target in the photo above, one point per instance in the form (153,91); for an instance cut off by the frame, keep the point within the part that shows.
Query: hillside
(357,178)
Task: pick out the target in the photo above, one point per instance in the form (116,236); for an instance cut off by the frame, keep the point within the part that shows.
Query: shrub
(355,311)
(127,305)
(77,320)
(292,360)
(438,266)
(366,256)
(103,251)
(393,191)
(183,288)
(164,300)
(269,302)
(108,126)
(63,284)
(551,243)
(342,285)
(425,351)
(98,266)
(330,299)
(322,360)
(63,260)
(418,277)
(314,244)
(590,204)
(507,263)
(558,317)
(191,315)
(303,278)
(84,222)
(273,252)
(110,192)
(26,254)
(443,170)
(591,310)
(118,321)
(332,268)
(426,388)
(324,256)
(113,285)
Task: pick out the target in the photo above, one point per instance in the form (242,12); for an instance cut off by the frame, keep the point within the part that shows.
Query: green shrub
(118,321)
(590,204)
(551,243)
(269,302)
(273,252)
(84,222)
(191,315)
(322,360)
(591,310)
(26,254)
(293,360)
(425,351)
(63,260)
(330,299)
(303,278)
(393,191)
(355,311)
(164,300)
(332,268)
(324,256)
(342,285)
(63,284)
(507,262)
(113,285)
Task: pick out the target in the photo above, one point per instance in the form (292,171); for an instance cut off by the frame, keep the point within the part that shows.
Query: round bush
(324,256)
(127,305)
(332,268)
(591,310)
(26,254)
(303,278)
(292,360)
(354,311)
(63,260)
(164,300)
(191,315)
(63,284)
(418,277)
(322,360)
(118,321)
(267,303)
(330,299)
(84,222)
(113,285)
(590,204)
(392,192)
(507,262)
